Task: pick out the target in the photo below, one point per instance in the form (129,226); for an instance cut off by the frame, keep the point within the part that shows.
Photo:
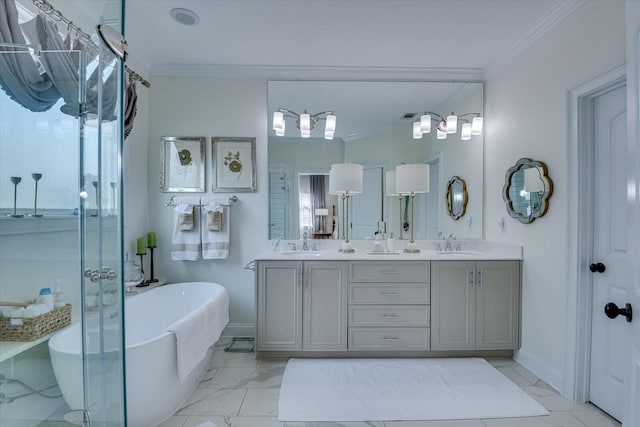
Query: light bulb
(425,123)
(278,120)
(452,123)
(417,133)
(331,124)
(476,125)
(465,133)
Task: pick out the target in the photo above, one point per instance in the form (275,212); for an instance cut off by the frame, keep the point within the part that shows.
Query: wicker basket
(35,327)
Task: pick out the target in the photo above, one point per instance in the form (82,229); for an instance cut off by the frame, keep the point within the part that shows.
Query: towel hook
(171,201)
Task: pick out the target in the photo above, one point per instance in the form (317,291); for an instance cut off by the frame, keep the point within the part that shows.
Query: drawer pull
(386,294)
(389,338)
(389,315)
(390,272)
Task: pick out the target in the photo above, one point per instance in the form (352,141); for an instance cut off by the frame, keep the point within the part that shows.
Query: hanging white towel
(185,241)
(215,243)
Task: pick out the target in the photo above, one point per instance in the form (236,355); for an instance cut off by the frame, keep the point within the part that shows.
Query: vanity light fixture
(410,180)
(345,179)
(305,122)
(472,124)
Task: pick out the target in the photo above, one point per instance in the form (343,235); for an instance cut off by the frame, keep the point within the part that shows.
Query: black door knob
(612,311)
(597,267)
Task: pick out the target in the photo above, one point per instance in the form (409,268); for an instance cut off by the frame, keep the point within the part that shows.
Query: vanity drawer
(389,315)
(389,293)
(387,271)
(388,339)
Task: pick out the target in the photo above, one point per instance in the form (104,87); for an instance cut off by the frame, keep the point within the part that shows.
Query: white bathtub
(154,391)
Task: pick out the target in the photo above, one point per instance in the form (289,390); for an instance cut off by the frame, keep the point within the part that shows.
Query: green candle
(141,246)
(151,239)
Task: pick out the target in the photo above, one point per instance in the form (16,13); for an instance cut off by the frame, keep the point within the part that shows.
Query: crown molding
(276,72)
(557,14)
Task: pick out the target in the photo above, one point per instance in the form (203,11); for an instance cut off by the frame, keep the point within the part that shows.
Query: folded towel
(185,243)
(199,330)
(215,243)
(214,213)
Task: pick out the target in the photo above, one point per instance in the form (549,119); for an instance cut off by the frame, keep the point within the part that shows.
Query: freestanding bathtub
(153,389)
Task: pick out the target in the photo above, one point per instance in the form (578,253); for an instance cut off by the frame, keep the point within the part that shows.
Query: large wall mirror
(373,127)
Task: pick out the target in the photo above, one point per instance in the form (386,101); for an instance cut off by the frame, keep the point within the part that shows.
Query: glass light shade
(278,120)
(280,131)
(476,125)
(331,124)
(417,133)
(412,178)
(305,122)
(305,133)
(425,123)
(440,134)
(465,132)
(345,178)
(452,123)
(328,135)
(390,183)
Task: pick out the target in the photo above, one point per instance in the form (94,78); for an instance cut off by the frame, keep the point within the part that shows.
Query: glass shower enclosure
(61,220)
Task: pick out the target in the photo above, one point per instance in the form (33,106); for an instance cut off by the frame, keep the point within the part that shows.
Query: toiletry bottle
(45,297)
(58,296)
(390,243)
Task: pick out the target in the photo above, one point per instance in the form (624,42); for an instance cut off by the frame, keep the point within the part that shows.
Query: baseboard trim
(541,369)
(239,330)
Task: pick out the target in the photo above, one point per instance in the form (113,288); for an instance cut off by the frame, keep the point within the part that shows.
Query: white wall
(202,106)
(526,110)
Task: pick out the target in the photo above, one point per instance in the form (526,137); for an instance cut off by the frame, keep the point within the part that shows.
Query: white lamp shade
(417,133)
(533,180)
(390,183)
(413,178)
(465,133)
(280,131)
(331,124)
(322,212)
(328,135)
(278,120)
(305,122)
(305,133)
(476,125)
(345,178)
(425,123)
(452,123)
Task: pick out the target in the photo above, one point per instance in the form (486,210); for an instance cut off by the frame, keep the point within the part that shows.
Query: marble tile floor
(240,391)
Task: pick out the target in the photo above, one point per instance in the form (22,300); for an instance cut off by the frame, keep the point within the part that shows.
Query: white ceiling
(337,33)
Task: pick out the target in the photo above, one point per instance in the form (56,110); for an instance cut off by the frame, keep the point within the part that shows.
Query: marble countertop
(469,250)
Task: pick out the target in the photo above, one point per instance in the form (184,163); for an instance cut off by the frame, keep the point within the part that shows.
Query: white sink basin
(300,253)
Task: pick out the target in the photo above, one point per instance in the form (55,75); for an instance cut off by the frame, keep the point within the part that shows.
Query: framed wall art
(234,164)
(183,164)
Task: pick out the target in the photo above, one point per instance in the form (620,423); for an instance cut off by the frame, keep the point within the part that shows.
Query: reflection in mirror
(316,215)
(527,190)
(374,127)
(457,197)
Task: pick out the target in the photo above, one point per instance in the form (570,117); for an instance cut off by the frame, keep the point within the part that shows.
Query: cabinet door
(497,304)
(452,305)
(325,306)
(279,303)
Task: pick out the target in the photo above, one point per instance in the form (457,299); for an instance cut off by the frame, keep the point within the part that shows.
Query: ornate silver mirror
(527,189)
(457,197)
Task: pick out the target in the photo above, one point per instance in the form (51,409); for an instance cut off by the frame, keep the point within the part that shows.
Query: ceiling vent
(409,116)
(184,16)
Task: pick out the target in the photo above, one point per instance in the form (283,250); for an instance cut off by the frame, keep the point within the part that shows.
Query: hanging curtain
(317,190)
(130,108)
(19,74)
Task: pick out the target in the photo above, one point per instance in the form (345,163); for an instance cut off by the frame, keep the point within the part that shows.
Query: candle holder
(36,177)
(144,282)
(15,180)
(152,279)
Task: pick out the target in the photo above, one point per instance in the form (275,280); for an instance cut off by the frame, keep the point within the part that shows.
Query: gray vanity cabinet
(279,304)
(324,308)
(301,305)
(475,305)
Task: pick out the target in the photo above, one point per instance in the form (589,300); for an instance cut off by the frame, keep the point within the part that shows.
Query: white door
(366,207)
(610,252)
(632,413)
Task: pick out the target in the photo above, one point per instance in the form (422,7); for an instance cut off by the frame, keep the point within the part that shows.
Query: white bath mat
(399,390)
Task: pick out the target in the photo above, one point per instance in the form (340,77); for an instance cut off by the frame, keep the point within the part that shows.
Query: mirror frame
(449,197)
(521,164)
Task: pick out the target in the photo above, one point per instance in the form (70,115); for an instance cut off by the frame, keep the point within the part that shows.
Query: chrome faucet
(450,239)
(305,244)
(275,247)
